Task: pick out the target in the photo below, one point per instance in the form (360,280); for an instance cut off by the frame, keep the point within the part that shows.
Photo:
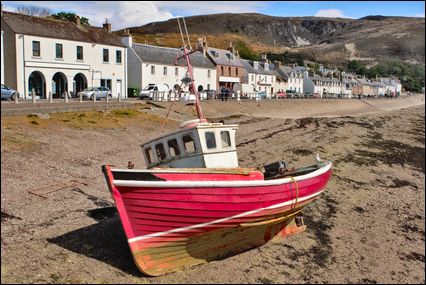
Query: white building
(325,86)
(44,55)
(258,77)
(291,77)
(149,64)
(392,85)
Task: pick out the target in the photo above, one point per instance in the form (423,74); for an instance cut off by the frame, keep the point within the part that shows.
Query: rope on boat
(297,192)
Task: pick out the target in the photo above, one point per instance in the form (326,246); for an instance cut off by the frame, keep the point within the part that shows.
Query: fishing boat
(194,204)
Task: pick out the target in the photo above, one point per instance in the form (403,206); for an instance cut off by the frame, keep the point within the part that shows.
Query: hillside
(370,39)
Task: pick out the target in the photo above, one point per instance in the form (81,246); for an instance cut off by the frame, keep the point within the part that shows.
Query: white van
(152,89)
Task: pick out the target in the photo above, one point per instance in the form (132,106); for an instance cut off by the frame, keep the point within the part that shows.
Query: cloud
(330,13)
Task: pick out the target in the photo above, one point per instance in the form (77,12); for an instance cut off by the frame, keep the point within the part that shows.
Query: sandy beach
(59,223)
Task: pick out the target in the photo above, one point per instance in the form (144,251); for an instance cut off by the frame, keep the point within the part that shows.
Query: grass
(15,141)
(83,120)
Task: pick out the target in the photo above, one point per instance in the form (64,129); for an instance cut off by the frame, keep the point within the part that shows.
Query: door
(119,90)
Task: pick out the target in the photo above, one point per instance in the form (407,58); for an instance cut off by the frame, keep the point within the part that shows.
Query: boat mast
(187,51)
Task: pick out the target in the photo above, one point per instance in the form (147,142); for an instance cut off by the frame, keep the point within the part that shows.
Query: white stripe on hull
(220,184)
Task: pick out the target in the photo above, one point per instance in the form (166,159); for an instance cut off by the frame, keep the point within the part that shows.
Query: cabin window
(149,155)
(161,152)
(188,143)
(225,138)
(173,147)
(210,140)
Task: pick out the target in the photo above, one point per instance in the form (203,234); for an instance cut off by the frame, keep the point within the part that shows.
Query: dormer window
(255,65)
(230,56)
(266,66)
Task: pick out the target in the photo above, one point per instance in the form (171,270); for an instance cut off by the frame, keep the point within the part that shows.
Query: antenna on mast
(181,34)
(186,30)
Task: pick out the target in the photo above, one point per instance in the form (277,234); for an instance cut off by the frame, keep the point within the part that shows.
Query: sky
(123,14)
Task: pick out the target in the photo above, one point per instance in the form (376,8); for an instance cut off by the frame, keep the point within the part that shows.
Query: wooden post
(94,97)
(107,97)
(81,97)
(50,97)
(33,96)
(16,97)
(119,97)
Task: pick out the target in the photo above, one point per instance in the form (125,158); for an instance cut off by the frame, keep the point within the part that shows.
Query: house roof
(249,67)
(224,57)
(50,28)
(167,56)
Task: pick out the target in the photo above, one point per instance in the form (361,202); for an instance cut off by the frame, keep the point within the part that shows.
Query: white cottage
(258,77)
(45,55)
(148,64)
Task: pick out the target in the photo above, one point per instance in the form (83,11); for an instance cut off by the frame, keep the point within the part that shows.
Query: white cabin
(202,145)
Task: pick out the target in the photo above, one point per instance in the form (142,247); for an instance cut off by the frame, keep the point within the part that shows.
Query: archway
(59,85)
(79,83)
(37,83)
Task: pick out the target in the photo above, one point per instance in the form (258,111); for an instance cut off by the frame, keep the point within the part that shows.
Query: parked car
(187,98)
(316,95)
(211,94)
(8,93)
(150,89)
(98,92)
(281,95)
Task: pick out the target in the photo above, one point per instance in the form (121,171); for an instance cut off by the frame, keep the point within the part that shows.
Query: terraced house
(148,64)
(229,69)
(46,56)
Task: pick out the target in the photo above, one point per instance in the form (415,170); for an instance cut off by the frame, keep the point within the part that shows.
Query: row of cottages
(149,64)
(49,56)
(325,86)
(289,78)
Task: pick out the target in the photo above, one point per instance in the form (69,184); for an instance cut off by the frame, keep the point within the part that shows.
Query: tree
(33,11)
(244,51)
(69,17)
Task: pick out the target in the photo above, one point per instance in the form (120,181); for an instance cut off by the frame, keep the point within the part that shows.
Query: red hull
(162,218)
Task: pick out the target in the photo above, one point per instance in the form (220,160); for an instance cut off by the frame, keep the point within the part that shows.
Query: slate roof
(248,66)
(167,56)
(224,57)
(50,28)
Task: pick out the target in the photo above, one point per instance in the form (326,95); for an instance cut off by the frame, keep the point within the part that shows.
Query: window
(210,140)
(152,69)
(106,83)
(225,138)
(165,70)
(149,155)
(118,56)
(176,71)
(208,73)
(208,86)
(161,153)
(252,77)
(79,52)
(221,70)
(229,71)
(106,55)
(236,71)
(188,143)
(173,147)
(36,48)
(58,50)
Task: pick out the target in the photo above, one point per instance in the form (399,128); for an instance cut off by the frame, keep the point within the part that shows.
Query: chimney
(127,39)
(277,64)
(77,20)
(231,48)
(263,58)
(205,46)
(107,25)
